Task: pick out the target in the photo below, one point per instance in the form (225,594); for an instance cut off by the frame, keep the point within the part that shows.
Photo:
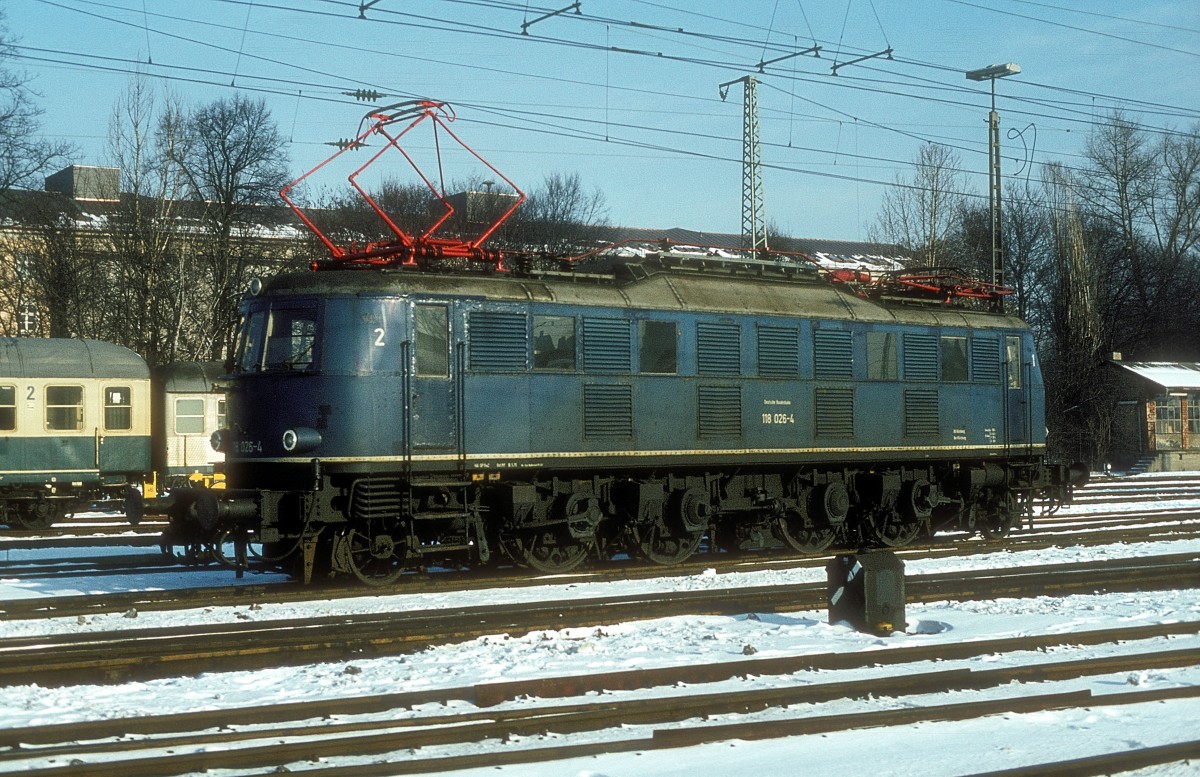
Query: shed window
(657,347)
(433,340)
(954,359)
(189,416)
(8,408)
(64,408)
(118,409)
(553,343)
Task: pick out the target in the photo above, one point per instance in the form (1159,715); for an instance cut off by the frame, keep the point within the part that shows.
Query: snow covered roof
(1169,375)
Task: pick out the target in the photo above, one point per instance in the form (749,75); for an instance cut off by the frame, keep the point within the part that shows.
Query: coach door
(1015,393)
(434,418)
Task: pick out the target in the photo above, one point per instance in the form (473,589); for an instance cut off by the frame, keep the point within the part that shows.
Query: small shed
(1158,415)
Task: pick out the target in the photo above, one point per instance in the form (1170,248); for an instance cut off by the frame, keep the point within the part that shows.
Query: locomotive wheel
(661,545)
(375,557)
(894,530)
(804,539)
(998,520)
(36,515)
(547,549)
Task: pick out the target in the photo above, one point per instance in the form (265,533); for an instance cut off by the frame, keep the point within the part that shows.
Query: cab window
(64,408)
(291,337)
(118,409)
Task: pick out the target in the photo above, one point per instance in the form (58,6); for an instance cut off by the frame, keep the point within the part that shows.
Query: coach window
(658,347)
(881,356)
(118,409)
(291,339)
(433,340)
(1012,357)
(220,414)
(189,416)
(553,343)
(64,408)
(954,359)
(8,408)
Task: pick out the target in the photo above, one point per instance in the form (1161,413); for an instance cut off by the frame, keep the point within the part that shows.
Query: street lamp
(991,73)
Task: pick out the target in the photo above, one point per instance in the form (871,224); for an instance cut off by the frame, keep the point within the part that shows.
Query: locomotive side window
(250,356)
(433,340)
(1012,356)
(118,409)
(954,359)
(189,416)
(882,356)
(658,347)
(8,408)
(64,408)
(553,343)
(293,333)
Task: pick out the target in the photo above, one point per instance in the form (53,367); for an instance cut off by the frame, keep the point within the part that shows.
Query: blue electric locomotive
(383,420)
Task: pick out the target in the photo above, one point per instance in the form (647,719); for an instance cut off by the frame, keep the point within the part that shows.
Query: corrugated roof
(1169,375)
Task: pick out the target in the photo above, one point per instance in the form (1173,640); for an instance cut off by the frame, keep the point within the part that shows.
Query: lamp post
(991,73)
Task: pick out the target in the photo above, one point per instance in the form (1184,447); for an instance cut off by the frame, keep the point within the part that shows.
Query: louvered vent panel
(834,410)
(985,359)
(372,499)
(921,412)
(718,349)
(498,341)
(720,411)
(920,357)
(778,352)
(833,355)
(607,411)
(606,345)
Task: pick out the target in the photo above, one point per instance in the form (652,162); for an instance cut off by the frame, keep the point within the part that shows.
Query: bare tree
(923,213)
(561,216)
(24,157)
(233,163)
(153,270)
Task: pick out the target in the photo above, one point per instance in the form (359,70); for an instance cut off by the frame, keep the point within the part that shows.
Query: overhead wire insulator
(345,144)
(365,95)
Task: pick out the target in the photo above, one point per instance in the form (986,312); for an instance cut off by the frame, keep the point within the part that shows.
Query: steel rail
(233,748)
(150,653)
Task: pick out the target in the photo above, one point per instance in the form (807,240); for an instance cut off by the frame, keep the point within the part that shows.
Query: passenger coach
(74,426)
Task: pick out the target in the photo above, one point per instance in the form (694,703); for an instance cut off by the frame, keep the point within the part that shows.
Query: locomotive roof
(189,377)
(32,357)
(679,290)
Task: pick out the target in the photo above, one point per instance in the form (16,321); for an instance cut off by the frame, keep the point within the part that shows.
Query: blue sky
(625,94)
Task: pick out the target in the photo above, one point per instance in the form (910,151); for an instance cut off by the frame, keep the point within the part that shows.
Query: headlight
(217,441)
(301,439)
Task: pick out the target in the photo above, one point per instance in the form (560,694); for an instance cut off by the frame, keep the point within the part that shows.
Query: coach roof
(31,357)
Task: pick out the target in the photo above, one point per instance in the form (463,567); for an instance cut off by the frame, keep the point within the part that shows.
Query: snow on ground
(995,742)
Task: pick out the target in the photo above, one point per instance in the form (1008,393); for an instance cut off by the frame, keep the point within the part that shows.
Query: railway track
(510,723)
(144,653)
(249,593)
